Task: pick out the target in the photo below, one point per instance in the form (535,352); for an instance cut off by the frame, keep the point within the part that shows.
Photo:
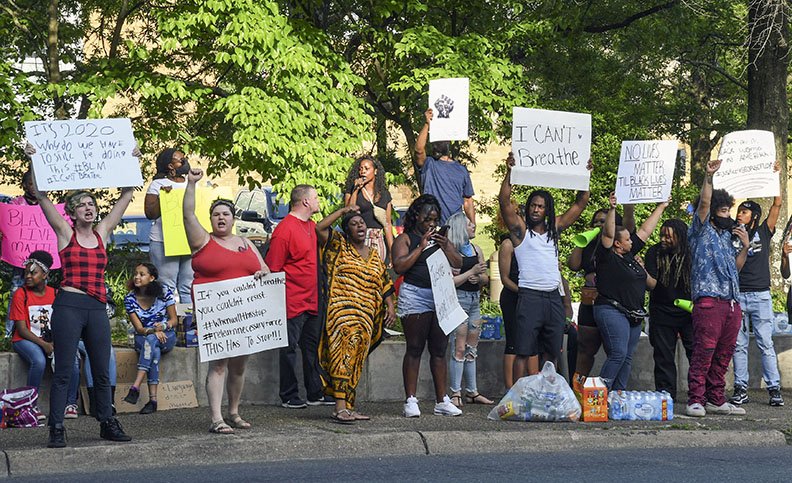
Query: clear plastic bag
(542,397)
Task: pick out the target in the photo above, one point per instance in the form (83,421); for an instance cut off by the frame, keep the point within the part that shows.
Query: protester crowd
(340,292)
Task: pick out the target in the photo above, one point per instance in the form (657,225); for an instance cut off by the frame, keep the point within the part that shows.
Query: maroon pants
(716,323)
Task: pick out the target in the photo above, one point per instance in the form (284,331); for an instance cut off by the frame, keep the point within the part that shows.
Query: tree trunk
(53,58)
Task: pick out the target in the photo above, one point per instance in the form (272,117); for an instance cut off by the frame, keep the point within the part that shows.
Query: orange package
(595,400)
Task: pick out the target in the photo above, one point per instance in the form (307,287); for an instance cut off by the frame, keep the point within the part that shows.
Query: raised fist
(444,106)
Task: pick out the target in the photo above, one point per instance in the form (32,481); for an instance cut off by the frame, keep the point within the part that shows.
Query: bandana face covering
(183,169)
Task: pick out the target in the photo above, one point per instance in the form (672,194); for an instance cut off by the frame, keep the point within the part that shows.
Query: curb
(257,447)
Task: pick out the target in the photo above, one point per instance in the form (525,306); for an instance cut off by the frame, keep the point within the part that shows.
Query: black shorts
(508,304)
(540,323)
(585,316)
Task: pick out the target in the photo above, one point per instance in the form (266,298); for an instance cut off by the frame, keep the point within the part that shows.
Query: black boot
(112,399)
(112,430)
(57,437)
(91,402)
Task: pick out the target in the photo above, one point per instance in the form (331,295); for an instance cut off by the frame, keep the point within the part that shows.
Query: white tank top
(538,262)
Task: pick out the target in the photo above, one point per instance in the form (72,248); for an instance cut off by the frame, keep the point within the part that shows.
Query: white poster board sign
(646,171)
(449,100)
(551,148)
(747,159)
(84,154)
(240,316)
(449,312)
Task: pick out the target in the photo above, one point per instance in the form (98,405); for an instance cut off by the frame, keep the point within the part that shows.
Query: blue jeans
(757,307)
(619,339)
(113,371)
(17,280)
(175,272)
(35,357)
(150,349)
(469,330)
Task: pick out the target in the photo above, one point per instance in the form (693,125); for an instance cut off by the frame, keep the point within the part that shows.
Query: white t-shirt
(154,189)
(538,262)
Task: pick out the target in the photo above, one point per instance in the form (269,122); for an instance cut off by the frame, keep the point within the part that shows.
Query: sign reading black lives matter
(646,171)
(240,316)
(551,148)
(747,160)
(83,154)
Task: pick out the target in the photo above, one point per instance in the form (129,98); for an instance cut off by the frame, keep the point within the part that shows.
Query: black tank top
(467,264)
(418,274)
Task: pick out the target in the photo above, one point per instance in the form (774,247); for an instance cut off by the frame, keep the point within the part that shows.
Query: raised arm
(420,143)
(703,209)
(109,222)
(649,225)
(197,236)
(571,215)
(61,227)
(323,227)
(513,221)
(609,228)
(628,220)
(772,215)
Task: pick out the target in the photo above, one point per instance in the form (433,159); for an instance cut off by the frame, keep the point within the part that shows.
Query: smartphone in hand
(443,230)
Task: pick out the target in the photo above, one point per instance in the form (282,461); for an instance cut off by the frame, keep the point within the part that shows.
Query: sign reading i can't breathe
(551,148)
(240,316)
(83,154)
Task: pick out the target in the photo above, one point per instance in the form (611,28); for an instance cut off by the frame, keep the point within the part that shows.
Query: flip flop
(237,421)
(344,416)
(220,427)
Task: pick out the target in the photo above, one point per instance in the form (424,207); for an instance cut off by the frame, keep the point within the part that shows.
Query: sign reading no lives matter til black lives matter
(84,154)
(240,316)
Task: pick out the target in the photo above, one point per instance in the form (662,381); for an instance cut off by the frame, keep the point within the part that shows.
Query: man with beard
(540,312)
(715,263)
(668,262)
(756,303)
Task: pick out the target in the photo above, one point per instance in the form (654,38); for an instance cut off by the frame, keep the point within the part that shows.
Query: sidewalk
(180,437)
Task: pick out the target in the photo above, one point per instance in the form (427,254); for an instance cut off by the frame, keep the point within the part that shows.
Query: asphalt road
(656,465)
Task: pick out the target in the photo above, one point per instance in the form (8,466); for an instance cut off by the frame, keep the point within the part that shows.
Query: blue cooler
(491,328)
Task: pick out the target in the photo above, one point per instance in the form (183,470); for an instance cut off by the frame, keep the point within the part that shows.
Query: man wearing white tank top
(540,311)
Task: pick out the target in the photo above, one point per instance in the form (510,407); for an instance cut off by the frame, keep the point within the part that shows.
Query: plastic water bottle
(615,406)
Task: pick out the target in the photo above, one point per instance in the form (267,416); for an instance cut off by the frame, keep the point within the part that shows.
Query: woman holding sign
(358,292)
(220,255)
(79,309)
(175,272)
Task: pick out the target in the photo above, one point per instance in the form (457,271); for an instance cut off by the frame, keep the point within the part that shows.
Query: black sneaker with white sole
(740,396)
(294,403)
(775,396)
(322,401)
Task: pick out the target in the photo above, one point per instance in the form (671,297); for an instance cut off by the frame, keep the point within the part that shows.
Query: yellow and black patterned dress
(354,290)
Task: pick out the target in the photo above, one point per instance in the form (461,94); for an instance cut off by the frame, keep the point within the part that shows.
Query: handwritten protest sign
(171,395)
(240,316)
(449,312)
(25,229)
(83,153)
(747,165)
(449,100)
(171,209)
(551,148)
(646,171)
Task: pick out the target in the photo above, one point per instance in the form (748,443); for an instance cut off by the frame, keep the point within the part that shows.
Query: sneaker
(322,401)
(39,415)
(726,409)
(294,403)
(445,408)
(740,395)
(133,395)
(71,412)
(775,396)
(695,410)
(57,437)
(411,409)
(112,430)
(150,407)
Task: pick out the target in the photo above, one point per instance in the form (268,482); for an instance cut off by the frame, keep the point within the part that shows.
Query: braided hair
(379,178)
(673,266)
(550,218)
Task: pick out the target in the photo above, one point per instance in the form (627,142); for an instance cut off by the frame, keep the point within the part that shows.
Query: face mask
(183,169)
(723,223)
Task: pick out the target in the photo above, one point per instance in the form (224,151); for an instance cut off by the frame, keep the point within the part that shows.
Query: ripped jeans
(464,345)
(150,349)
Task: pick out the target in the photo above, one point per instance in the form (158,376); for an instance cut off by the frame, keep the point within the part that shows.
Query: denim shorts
(470,304)
(414,300)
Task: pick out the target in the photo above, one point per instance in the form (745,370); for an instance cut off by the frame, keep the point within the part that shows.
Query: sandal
(237,421)
(360,417)
(477,398)
(220,427)
(344,416)
(456,399)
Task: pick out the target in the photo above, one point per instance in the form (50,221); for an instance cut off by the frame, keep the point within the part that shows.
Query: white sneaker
(695,410)
(71,412)
(445,408)
(411,409)
(727,409)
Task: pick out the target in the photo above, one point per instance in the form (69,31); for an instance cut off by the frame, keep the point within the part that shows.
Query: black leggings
(78,316)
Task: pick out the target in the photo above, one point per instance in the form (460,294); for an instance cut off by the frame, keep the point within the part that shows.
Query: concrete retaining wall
(382,379)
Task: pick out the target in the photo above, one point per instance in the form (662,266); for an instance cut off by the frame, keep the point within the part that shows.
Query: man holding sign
(540,312)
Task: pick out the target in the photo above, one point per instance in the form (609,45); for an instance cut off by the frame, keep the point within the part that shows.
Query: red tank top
(214,262)
(83,268)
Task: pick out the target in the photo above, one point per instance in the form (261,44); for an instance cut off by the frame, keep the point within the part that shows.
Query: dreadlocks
(550,218)
(673,264)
